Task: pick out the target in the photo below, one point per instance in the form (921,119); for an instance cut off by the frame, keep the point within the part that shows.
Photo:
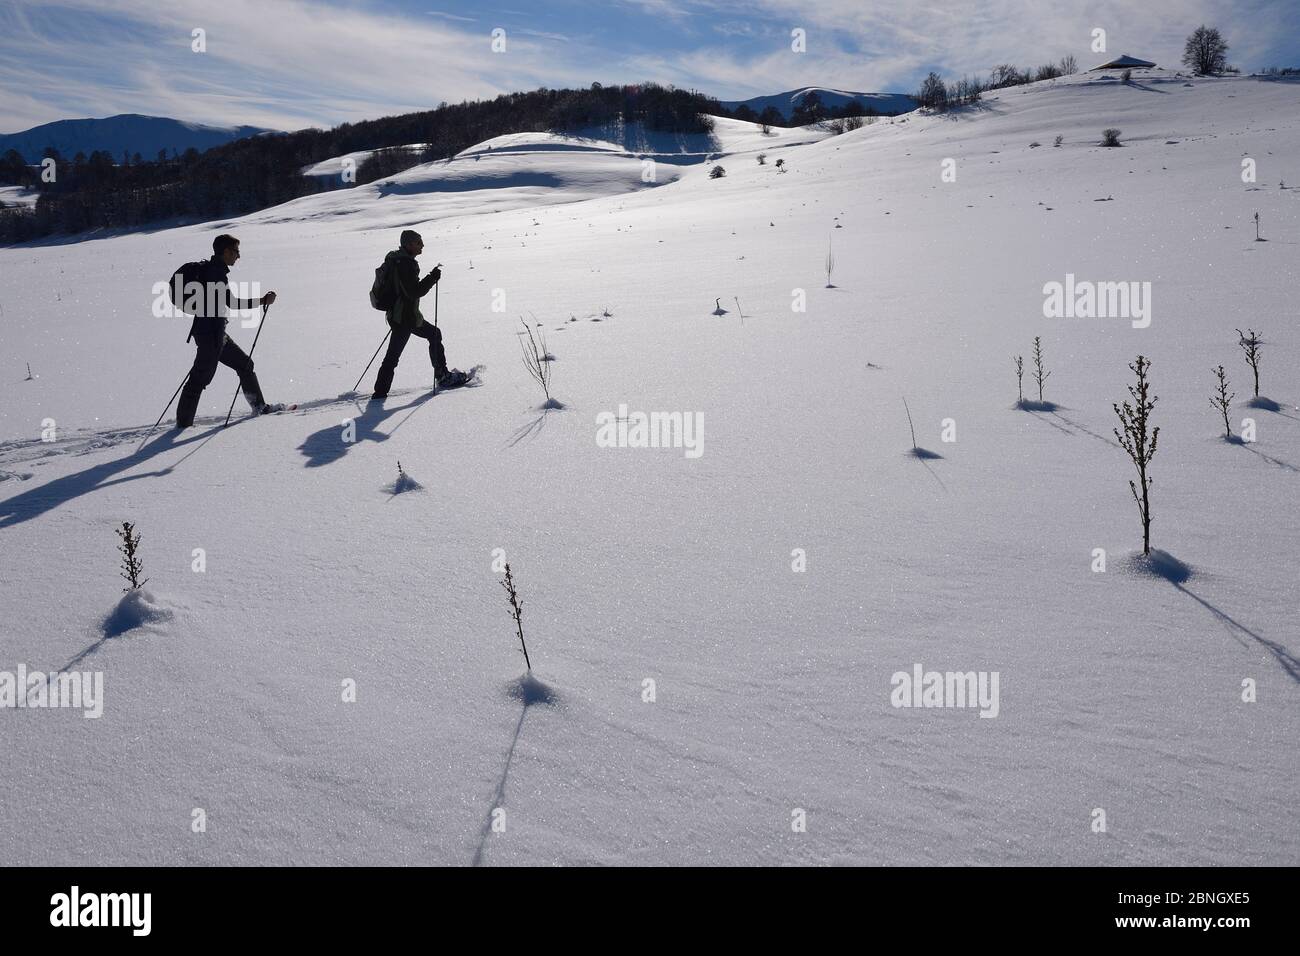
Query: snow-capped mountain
(885,104)
(127,132)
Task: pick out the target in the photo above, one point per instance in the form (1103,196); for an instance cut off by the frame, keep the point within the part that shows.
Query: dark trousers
(215,348)
(384,381)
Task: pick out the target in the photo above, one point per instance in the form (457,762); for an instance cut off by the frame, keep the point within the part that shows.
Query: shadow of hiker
(326,446)
(528,690)
(34,502)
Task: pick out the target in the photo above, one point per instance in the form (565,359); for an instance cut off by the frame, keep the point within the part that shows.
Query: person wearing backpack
(208,298)
(398,289)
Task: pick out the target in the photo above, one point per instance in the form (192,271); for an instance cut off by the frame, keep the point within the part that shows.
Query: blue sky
(293,63)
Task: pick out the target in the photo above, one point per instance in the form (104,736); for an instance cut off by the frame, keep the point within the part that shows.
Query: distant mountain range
(883,103)
(127,132)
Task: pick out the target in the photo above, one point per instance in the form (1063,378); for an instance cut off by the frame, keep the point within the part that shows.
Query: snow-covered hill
(771,687)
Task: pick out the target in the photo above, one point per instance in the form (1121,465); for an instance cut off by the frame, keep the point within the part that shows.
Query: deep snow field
(1119,691)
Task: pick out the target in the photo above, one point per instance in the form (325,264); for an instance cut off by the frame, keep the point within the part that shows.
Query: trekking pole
(164,411)
(435,306)
(265,309)
(372,358)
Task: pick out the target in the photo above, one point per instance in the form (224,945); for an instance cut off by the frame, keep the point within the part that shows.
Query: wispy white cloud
(284,64)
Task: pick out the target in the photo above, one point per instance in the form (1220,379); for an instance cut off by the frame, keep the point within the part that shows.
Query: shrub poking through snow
(1250,345)
(1222,400)
(1110,137)
(1041,375)
(717,172)
(517,612)
(1020,380)
(830,263)
(1138,438)
(534,356)
(404,482)
(1059,140)
(132,566)
(762,159)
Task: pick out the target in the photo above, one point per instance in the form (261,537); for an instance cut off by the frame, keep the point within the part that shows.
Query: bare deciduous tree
(1206,51)
(1138,438)
(933,94)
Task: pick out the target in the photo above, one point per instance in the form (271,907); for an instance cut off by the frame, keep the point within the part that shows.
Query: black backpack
(383,291)
(186,286)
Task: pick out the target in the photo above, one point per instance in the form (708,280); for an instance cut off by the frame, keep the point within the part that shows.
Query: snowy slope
(17,196)
(1119,691)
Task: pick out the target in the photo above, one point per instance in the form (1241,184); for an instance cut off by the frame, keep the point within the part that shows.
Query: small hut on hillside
(1124,62)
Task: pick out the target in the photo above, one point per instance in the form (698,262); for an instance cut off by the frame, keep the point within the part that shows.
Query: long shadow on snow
(529,691)
(37,501)
(1164,565)
(1239,442)
(326,446)
(1290,663)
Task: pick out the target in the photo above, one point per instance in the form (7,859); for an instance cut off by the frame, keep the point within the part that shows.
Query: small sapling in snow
(1138,438)
(1223,401)
(830,263)
(1041,375)
(1020,379)
(717,172)
(517,612)
(1251,346)
(132,566)
(534,357)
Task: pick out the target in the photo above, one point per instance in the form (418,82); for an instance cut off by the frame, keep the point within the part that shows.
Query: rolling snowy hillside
(1120,691)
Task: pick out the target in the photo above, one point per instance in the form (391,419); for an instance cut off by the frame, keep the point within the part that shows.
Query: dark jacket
(405,272)
(210,311)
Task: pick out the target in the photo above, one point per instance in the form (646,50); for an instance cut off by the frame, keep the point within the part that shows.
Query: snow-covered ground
(1118,691)
(17,196)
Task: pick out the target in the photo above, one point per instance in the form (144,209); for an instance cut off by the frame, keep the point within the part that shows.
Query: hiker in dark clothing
(208,330)
(406,320)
